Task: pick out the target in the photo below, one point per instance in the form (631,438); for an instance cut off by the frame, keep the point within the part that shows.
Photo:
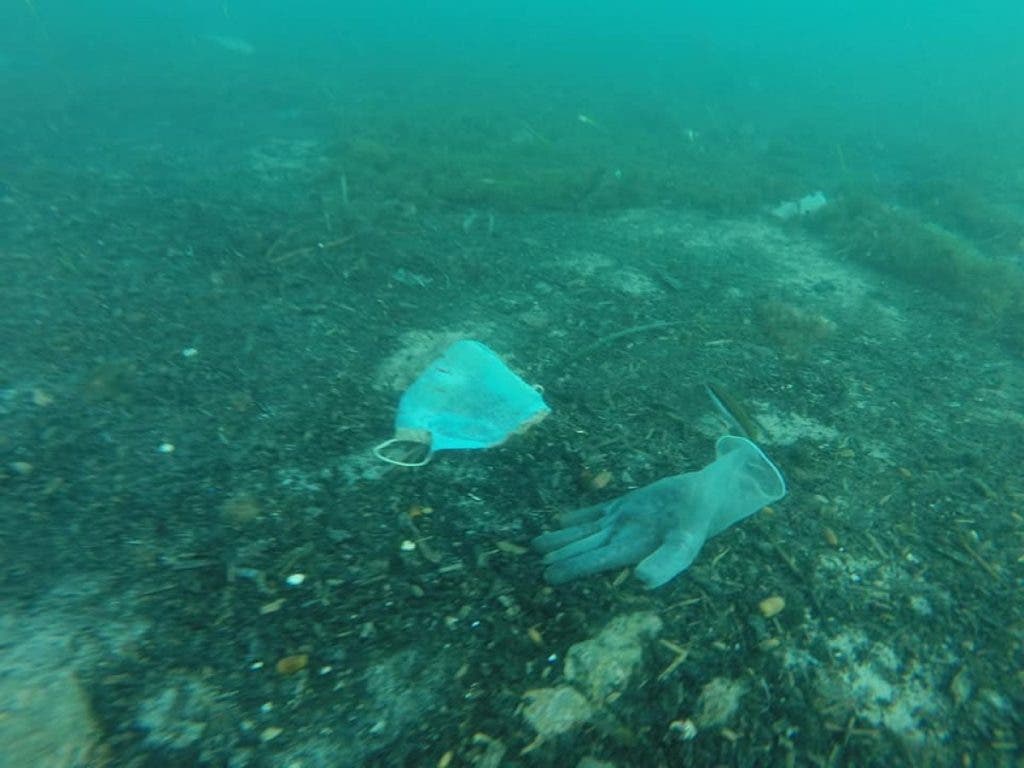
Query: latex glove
(663,526)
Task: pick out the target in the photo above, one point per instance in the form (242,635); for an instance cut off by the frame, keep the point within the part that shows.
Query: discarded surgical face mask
(467,398)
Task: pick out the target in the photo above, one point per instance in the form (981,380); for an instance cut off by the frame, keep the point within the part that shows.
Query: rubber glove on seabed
(663,526)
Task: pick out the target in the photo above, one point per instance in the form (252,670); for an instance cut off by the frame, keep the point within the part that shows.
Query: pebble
(289,665)
(270,733)
(771,606)
(41,399)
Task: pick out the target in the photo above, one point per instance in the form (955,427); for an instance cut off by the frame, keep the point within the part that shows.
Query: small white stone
(408,546)
(920,606)
(295,579)
(189,352)
(166,448)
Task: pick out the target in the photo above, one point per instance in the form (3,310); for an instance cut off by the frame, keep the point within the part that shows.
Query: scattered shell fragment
(41,398)
(241,508)
(771,606)
(718,702)
(600,480)
(552,711)
(511,548)
(683,728)
(430,554)
(604,664)
(982,488)
(961,687)
(289,665)
(272,607)
(830,536)
(487,751)
(270,733)
(240,401)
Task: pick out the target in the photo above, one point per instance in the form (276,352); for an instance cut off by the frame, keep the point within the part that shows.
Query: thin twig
(788,561)
(979,559)
(287,256)
(622,334)
(277,243)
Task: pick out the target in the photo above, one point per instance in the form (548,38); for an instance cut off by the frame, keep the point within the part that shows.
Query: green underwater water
(232,235)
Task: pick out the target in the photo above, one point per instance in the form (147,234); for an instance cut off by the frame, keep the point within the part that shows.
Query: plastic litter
(805,205)
(466,399)
(663,526)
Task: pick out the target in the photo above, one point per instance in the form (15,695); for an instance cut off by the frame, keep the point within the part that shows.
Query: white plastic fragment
(805,205)
(684,728)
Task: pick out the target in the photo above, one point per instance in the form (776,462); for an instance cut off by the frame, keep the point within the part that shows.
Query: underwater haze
(511,384)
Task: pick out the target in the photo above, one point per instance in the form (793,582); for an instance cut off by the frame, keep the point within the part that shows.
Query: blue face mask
(467,398)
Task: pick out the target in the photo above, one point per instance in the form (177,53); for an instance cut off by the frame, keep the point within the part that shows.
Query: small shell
(771,606)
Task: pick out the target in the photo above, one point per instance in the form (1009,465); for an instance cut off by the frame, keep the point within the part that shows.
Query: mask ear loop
(378,451)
